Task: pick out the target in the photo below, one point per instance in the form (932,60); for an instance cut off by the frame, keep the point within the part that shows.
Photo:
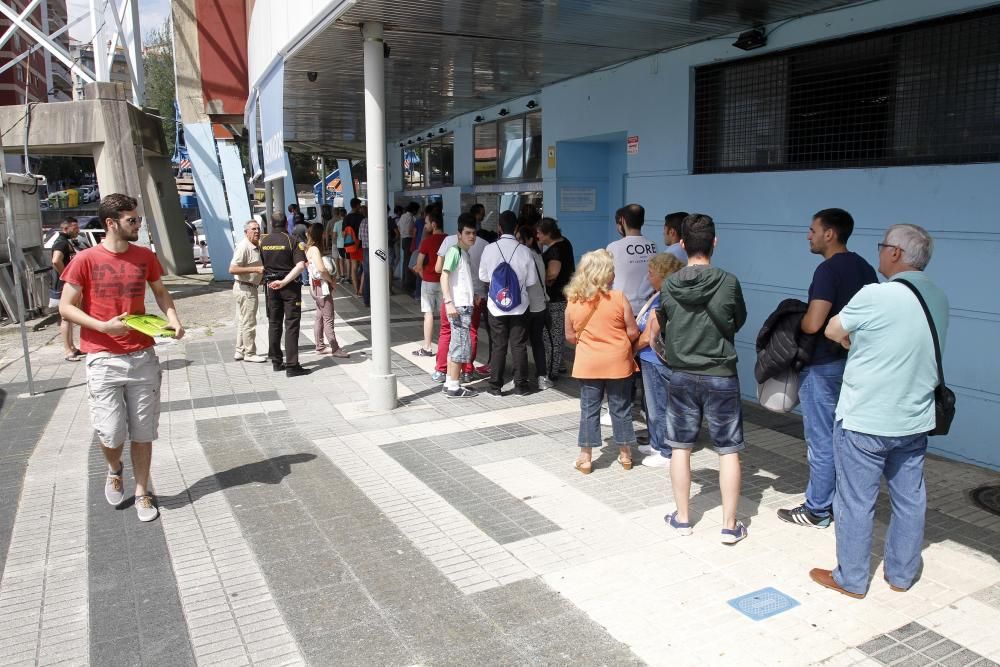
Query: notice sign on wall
(632,143)
(577,200)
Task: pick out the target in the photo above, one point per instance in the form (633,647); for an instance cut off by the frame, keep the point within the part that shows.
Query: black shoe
(494,391)
(277,366)
(525,390)
(461,392)
(296,371)
(803,517)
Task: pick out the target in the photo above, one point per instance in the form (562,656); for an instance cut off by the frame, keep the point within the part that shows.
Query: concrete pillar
(164,215)
(268,204)
(236,187)
(209,185)
(346,182)
(381,381)
(291,196)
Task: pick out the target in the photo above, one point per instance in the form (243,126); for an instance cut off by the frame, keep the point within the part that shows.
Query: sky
(152,13)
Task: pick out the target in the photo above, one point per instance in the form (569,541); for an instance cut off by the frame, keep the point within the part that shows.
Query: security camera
(312,76)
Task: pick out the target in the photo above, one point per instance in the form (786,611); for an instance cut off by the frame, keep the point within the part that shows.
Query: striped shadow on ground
(135,612)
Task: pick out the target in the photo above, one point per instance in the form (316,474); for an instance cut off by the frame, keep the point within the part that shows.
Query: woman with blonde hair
(655,373)
(600,323)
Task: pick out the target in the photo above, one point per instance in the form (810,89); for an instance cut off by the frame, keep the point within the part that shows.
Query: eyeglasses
(887,245)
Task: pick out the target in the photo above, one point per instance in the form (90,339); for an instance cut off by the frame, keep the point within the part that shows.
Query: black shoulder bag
(944,398)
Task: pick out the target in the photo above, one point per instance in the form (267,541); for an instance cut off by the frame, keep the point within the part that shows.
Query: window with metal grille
(924,94)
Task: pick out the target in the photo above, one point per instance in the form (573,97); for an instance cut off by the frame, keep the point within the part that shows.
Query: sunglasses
(133,221)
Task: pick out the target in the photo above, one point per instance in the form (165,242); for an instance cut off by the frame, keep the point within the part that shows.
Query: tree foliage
(161,89)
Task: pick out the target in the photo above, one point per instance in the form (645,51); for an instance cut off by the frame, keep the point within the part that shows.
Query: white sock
(451,385)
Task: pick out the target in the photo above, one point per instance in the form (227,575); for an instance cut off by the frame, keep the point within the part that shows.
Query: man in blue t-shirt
(837,279)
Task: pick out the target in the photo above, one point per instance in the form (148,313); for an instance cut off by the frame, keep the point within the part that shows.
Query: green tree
(161,88)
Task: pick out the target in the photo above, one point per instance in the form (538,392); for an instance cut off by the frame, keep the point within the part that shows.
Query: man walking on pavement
(63,250)
(283,260)
(248,272)
(835,282)
(103,284)
(509,269)
(893,331)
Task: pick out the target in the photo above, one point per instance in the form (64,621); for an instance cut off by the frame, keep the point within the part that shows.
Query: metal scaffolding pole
(381,381)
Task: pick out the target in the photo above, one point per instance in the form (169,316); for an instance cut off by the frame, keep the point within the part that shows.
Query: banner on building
(272,122)
(250,121)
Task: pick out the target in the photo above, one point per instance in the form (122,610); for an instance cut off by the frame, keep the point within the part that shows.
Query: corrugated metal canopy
(450,57)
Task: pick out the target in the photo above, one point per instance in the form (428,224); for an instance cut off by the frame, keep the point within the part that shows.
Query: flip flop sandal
(340,354)
(421,352)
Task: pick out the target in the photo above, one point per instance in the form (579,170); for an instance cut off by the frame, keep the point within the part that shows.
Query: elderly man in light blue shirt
(885,412)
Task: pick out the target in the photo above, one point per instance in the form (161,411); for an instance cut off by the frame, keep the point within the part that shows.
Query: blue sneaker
(737,534)
(679,528)
(437,376)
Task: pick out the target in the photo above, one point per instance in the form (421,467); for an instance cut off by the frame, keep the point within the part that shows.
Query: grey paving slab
(135,611)
(497,513)
(352,588)
(22,421)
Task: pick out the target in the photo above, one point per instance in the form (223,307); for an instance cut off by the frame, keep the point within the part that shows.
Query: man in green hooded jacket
(703,308)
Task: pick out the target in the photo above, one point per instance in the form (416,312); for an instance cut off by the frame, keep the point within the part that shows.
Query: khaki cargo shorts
(124,393)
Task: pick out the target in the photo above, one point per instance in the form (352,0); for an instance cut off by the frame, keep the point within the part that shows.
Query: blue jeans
(862,460)
(819,389)
(717,399)
(619,405)
(656,388)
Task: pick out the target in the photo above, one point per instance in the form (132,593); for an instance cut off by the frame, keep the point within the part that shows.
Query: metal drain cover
(763,603)
(988,497)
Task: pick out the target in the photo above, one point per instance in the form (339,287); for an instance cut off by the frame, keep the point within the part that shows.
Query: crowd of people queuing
(866,352)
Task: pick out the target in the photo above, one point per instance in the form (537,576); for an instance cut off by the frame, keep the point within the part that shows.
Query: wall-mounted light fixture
(751,39)
(441,130)
(503,112)
(400,144)
(532,104)
(478,119)
(410,141)
(430,135)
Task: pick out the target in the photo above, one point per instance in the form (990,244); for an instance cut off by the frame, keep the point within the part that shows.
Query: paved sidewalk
(298,528)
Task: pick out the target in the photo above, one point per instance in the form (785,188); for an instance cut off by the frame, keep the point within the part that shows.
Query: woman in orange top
(599,321)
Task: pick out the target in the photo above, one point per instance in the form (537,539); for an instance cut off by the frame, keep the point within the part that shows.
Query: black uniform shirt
(279,254)
(63,244)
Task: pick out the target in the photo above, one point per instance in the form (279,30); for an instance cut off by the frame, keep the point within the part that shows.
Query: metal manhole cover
(988,497)
(763,603)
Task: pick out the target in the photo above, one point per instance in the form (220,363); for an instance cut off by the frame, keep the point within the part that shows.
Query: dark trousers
(406,276)
(512,329)
(284,307)
(536,336)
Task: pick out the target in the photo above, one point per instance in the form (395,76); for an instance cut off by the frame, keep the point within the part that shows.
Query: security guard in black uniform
(284,259)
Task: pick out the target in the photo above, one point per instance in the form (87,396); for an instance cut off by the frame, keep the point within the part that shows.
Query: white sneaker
(255,358)
(544,383)
(656,461)
(237,357)
(645,449)
(605,419)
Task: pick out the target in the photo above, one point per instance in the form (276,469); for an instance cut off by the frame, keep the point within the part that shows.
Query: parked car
(198,232)
(88,238)
(89,194)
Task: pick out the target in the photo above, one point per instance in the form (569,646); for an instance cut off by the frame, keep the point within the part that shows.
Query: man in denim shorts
(460,300)
(702,309)
(102,285)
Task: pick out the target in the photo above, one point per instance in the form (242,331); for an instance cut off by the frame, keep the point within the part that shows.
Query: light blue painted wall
(762,218)
(208,184)
(236,189)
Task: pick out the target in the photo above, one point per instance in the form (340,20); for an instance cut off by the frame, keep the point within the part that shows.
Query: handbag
(780,393)
(944,398)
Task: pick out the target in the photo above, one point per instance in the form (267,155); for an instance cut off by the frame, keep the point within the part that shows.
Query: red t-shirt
(113,284)
(429,249)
